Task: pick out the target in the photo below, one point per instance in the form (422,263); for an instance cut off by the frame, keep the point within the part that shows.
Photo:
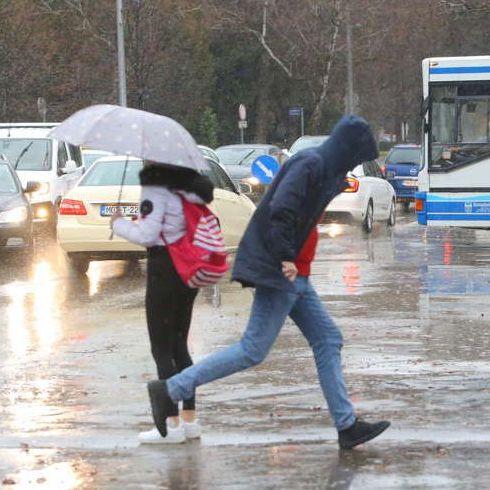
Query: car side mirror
(245,188)
(70,167)
(31,187)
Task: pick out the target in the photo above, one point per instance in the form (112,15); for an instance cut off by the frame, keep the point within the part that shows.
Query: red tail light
(352,184)
(70,207)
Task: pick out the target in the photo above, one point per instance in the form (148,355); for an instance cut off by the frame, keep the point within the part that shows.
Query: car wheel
(79,264)
(367,223)
(392,216)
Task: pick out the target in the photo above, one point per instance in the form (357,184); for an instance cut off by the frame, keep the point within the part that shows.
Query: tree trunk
(262,103)
(317,112)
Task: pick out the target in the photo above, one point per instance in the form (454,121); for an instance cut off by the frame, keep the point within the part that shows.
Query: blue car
(401,169)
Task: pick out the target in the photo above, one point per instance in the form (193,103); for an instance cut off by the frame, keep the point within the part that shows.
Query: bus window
(473,118)
(460,124)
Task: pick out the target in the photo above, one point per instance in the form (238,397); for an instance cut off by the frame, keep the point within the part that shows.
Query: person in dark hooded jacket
(169,302)
(274,256)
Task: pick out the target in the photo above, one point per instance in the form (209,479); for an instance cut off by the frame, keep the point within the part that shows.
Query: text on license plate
(126,209)
(410,183)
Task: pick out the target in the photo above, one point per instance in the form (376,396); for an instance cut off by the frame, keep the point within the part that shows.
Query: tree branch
(326,76)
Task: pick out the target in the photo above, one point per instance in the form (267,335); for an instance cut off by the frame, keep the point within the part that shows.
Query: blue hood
(296,200)
(350,144)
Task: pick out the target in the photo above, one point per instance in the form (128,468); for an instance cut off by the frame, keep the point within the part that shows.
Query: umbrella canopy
(131,132)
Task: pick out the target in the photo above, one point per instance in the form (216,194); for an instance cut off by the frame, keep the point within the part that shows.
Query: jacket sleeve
(146,230)
(285,207)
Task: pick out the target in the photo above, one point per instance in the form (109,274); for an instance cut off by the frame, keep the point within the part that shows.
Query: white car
(304,142)
(368,198)
(90,156)
(83,221)
(36,157)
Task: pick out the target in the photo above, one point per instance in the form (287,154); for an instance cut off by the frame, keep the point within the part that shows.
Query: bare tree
(299,37)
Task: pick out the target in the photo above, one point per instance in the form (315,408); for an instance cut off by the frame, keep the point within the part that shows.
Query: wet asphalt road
(413,304)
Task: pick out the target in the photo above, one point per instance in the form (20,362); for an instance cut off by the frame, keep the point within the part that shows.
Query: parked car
(305,142)
(89,156)
(401,168)
(83,224)
(56,165)
(15,210)
(368,197)
(238,159)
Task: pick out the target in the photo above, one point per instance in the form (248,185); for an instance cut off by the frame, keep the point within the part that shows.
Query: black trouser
(169,304)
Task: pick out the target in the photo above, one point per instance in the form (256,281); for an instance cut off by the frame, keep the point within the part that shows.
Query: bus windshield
(460,124)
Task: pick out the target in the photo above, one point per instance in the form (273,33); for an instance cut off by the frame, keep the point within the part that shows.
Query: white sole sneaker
(192,430)
(174,436)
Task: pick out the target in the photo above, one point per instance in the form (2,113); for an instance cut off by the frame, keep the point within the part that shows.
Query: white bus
(454,181)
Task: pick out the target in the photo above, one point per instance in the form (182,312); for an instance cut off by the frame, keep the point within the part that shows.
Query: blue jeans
(270,309)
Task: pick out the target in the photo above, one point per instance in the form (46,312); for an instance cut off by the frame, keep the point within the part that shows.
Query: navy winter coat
(296,200)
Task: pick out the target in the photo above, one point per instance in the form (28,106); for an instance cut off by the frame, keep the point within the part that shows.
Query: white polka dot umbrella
(131,132)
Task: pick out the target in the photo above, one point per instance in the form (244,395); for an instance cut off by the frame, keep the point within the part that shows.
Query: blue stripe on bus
(458,209)
(460,69)
(479,197)
(458,217)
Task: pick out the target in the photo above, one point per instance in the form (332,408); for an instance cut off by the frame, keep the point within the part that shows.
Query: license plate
(126,209)
(410,183)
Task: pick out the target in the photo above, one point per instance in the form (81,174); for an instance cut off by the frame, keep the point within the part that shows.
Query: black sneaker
(162,405)
(361,432)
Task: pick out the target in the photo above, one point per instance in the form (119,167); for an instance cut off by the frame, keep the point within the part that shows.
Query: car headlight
(253,181)
(15,215)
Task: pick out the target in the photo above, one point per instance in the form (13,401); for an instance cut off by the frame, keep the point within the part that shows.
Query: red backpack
(200,256)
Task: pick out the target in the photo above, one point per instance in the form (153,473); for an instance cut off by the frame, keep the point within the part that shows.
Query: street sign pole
(242,125)
(242,122)
(298,111)
(121,59)
(42,107)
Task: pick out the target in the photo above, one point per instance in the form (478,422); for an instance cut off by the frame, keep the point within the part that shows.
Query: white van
(56,165)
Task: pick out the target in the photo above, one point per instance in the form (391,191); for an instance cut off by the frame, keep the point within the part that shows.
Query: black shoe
(361,432)
(162,405)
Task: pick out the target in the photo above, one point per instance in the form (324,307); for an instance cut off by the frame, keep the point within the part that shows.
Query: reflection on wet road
(413,304)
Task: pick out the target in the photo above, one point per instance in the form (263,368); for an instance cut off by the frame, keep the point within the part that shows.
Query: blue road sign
(295,111)
(265,168)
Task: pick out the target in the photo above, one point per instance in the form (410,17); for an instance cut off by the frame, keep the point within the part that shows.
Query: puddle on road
(410,304)
(40,469)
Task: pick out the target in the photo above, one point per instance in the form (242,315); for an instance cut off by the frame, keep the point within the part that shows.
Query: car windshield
(27,154)
(460,124)
(90,158)
(308,142)
(208,153)
(404,155)
(110,173)
(8,185)
(239,155)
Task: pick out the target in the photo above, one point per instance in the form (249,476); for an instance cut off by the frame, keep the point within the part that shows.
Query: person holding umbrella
(274,256)
(172,163)
(169,301)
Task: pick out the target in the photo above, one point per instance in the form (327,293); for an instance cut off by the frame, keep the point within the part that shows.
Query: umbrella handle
(119,197)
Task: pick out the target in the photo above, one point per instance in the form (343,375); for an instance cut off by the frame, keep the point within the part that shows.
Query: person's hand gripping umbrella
(131,132)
